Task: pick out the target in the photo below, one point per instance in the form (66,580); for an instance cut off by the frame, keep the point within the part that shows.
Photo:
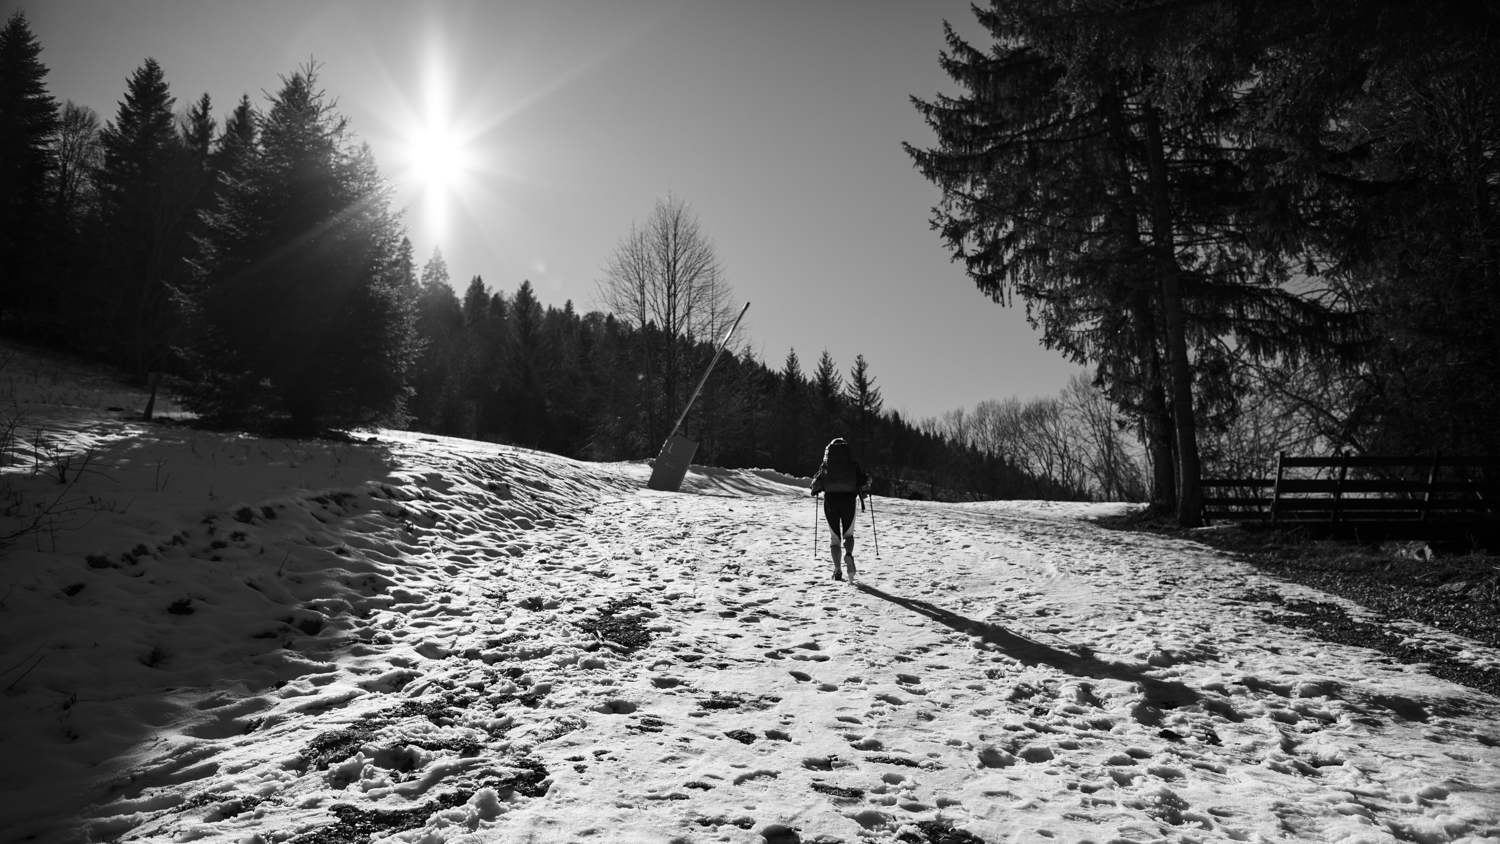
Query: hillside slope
(247,640)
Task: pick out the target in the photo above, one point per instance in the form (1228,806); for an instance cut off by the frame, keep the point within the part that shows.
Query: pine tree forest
(1262,226)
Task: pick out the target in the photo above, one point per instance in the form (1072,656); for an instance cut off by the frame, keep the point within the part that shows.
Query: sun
(440,158)
(443,135)
(437,157)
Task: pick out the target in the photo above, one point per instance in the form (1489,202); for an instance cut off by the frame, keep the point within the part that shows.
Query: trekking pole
(872,526)
(815,525)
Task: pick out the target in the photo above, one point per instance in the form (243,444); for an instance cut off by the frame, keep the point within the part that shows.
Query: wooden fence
(1404,496)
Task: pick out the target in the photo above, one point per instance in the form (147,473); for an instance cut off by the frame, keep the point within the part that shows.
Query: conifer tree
(528,367)
(476,303)
(864,404)
(406,265)
(1379,124)
(141,138)
(1100,182)
(28,124)
(235,148)
(149,194)
(198,128)
(196,164)
(828,388)
(438,381)
(304,311)
(440,324)
(792,445)
(480,354)
(569,399)
(435,271)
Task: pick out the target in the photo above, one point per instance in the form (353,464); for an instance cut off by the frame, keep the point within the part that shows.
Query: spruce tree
(406,264)
(304,310)
(792,446)
(149,195)
(28,124)
(477,359)
(528,367)
(1091,172)
(440,326)
(196,166)
(1379,125)
(236,145)
(828,388)
(435,271)
(198,128)
(476,303)
(138,142)
(864,403)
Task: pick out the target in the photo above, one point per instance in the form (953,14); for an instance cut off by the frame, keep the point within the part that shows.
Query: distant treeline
(504,368)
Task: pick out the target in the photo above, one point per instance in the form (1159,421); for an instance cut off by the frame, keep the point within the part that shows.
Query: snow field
(429,640)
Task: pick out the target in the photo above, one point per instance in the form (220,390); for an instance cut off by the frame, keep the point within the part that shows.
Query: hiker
(842,480)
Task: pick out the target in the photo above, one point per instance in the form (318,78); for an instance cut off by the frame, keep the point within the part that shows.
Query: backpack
(839,473)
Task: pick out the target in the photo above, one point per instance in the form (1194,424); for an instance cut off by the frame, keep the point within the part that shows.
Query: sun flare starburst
(440,159)
(443,118)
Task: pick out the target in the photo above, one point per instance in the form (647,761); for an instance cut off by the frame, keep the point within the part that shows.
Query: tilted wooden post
(154,381)
(677,452)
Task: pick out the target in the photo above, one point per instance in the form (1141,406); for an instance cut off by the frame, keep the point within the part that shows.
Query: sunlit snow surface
(183,648)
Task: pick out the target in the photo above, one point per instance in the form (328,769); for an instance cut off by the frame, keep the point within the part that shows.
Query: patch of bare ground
(1451,589)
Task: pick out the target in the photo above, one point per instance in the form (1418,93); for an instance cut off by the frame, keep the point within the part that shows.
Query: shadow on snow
(1159,693)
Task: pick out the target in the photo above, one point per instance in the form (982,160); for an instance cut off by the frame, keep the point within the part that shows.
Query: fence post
(1338,489)
(1276,487)
(1431,481)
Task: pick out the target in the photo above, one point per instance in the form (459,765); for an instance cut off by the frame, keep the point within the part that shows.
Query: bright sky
(549,127)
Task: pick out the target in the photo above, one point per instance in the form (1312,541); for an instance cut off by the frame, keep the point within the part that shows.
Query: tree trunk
(1189,487)
(653,442)
(1156,419)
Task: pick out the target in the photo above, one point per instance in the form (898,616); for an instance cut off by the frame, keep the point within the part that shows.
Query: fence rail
(1381,495)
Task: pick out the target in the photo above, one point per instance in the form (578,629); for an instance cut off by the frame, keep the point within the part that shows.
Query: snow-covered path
(458,640)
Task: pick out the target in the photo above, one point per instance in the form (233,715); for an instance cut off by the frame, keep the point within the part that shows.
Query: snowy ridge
(428,640)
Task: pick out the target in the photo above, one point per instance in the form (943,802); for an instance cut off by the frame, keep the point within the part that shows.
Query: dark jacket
(820,480)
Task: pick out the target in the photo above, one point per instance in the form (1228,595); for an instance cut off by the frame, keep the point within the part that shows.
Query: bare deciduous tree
(1116,470)
(1071,443)
(665,278)
(78,153)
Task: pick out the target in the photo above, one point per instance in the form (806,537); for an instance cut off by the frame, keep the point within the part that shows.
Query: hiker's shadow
(1160,694)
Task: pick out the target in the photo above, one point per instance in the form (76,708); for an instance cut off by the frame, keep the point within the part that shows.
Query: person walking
(841,480)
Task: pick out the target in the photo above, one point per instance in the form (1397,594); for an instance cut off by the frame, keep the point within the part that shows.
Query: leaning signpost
(677,452)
